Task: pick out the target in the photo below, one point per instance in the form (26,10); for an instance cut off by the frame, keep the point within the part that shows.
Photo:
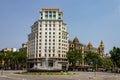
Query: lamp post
(94,62)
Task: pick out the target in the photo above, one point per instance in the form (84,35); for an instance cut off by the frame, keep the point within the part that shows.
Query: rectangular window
(53,25)
(45,40)
(53,29)
(46,16)
(59,14)
(39,50)
(58,55)
(59,40)
(45,47)
(59,33)
(45,55)
(53,32)
(41,17)
(49,25)
(46,12)
(49,22)
(54,12)
(59,17)
(49,55)
(40,40)
(53,55)
(50,16)
(45,25)
(53,51)
(49,28)
(45,43)
(54,16)
(39,55)
(50,12)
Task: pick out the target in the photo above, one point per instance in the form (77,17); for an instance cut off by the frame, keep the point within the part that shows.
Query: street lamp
(95,63)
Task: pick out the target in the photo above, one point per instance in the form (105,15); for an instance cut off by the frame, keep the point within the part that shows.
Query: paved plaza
(11,75)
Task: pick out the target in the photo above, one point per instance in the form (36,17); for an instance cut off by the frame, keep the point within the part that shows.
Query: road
(11,75)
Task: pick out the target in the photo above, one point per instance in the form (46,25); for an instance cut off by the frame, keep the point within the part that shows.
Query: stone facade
(24,47)
(76,45)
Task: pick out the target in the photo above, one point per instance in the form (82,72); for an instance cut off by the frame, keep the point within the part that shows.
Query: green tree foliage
(92,59)
(100,61)
(1,57)
(15,60)
(74,57)
(107,63)
(115,56)
(91,56)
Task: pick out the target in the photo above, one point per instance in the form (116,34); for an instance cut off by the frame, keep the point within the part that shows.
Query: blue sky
(89,20)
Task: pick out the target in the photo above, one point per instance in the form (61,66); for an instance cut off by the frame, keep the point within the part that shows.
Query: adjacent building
(9,49)
(24,47)
(48,39)
(76,45)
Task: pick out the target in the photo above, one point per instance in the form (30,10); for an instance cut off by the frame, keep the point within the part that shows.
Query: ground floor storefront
(42,63)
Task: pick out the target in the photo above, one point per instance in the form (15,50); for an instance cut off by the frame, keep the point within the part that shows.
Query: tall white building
(48,38)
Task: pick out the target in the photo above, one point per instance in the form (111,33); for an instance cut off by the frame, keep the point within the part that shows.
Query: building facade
(9,49)
(24,47)
(76,45)
(48,40)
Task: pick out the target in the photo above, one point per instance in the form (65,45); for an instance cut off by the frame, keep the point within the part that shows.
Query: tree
(93,59)
(115,56)
(1,57)
(91,56)
(9,59)
(74,57)
(107,63)
(15,60)
(22,57)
